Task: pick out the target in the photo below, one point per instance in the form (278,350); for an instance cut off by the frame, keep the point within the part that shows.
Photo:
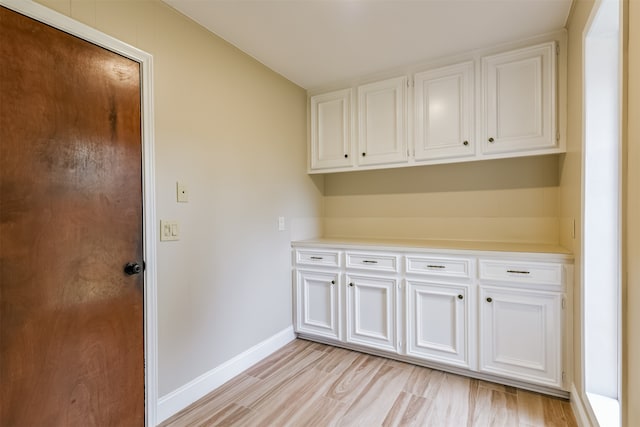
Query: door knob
(132,268)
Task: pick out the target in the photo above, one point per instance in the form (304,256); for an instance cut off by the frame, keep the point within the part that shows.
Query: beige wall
(631,364)
(502,200)
(235,132)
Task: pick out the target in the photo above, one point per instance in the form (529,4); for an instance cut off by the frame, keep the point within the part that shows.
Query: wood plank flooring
(311,384)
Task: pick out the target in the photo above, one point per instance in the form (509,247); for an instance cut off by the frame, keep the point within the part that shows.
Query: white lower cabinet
(318,304)
(437,319)
(499,317)
(520,334)
(371,304)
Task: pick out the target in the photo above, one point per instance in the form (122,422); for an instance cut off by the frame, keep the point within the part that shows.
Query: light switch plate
(183,192)
(169,231)
(281,224)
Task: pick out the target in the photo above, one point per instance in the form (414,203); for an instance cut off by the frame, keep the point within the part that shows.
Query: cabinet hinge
(399,344)
(564,376)
(564,303)
(558,137)
(557,48)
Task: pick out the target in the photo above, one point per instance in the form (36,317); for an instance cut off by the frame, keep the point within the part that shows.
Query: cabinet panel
(440,266)
(317,257)
(438,322)
(382,117)
(444,112)
(520,335)
(522,272)
(369,261)
(372,312)
(520,97)
(318,303)
(331,130)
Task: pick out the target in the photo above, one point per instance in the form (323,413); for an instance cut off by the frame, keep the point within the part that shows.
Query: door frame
(75,28)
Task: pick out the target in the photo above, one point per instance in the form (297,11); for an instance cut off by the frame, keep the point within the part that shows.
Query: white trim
(588,411)
(194,390)
(68,25)
(579,408)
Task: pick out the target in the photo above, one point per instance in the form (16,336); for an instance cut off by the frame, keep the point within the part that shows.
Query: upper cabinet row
(444,118)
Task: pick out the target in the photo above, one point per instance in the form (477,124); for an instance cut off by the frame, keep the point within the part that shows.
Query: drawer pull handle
(436,266)
(333,282)
(460,296)
(518,272)
(351,284)
(489,299)
(316,258)
(366,261)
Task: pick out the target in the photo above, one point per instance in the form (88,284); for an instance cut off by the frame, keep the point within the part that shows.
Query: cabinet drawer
(377,262)
(438,266)
(521,272)
(318,257)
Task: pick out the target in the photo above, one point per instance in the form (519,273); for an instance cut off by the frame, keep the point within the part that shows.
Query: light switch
(169,230)
(281,224)
(183,192)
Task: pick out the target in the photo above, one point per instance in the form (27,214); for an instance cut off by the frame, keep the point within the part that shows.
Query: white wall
(235,133)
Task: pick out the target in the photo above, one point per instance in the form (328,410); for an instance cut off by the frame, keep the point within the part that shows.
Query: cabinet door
(318,304)
(520,100)
(438,322)
(382,117)
(372,312)
(520,335)
(331,130)
(444,112)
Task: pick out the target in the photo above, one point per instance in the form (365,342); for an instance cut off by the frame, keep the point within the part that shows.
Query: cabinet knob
(333,282)
(351,284)
(489,299)
(491,139)
(346,156)
(460,297)
(465,143)
(364,154)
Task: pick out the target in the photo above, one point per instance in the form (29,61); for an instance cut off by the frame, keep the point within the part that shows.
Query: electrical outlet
(169,231)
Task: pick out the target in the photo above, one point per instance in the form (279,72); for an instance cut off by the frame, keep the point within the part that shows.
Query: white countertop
(450,246)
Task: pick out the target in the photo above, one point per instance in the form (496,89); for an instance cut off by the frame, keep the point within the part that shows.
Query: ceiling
(315,43)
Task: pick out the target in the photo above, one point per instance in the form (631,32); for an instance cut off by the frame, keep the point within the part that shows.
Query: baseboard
(189,393)
(578,407)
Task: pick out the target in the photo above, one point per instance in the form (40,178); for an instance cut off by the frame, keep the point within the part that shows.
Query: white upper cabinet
(331,130)
(519,93)
(485,107)
(444,112)
(382,118)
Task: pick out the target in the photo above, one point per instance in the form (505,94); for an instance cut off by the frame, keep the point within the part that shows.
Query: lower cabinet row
(494,330)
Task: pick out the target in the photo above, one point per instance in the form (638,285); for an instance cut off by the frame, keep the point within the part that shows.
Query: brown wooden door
(71,321)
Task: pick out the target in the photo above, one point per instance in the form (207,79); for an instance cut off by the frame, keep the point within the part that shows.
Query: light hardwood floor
(311,384)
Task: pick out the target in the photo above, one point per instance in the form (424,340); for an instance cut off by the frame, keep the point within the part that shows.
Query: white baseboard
(578,407)
(189,393)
